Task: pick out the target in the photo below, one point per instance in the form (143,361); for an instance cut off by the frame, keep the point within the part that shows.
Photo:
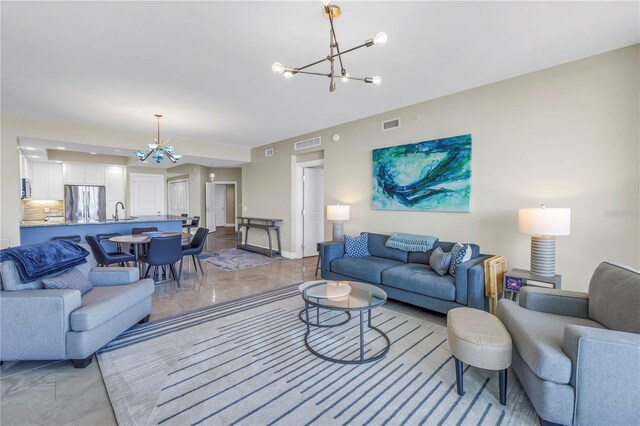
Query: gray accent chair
(577,355)
(46,324)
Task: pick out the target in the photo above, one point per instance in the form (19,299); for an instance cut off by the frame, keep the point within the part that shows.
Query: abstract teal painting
(432,175)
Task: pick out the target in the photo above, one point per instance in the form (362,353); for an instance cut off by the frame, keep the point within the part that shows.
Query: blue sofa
(407,276)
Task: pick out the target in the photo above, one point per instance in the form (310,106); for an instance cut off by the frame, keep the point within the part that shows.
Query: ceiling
(207,65)
(39,149)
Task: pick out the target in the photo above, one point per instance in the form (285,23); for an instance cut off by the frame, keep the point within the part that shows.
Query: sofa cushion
(11,280)
(447,246)
(72,279)
(420,279)
(377,248)
(538,338)
(103,303)
(356,246)
(459,253)
(363,268)
(614,297)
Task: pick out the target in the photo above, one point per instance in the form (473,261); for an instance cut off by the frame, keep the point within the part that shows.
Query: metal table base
(362,359)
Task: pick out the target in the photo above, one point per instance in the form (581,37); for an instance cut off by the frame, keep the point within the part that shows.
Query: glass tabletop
(361,297)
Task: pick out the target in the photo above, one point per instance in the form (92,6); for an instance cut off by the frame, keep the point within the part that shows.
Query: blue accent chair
(577,355)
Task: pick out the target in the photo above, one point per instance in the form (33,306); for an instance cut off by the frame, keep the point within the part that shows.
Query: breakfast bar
(40,231)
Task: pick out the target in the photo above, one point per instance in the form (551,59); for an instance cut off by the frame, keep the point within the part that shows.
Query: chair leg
(503,386)
(146,274)
(200,265)
(175,275)
(459,371)
(193,259)
(82,363)
(144,320)
(180,272)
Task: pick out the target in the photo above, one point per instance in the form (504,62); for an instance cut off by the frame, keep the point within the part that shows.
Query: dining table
(145,238)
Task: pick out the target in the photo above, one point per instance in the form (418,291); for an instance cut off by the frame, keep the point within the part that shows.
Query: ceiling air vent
(307,144)
(390,124)
(268,152)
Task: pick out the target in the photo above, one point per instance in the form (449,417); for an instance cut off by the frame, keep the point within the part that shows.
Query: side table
(516,278)
(319,248)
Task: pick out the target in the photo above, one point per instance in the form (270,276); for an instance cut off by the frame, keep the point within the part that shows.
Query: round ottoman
(479,339)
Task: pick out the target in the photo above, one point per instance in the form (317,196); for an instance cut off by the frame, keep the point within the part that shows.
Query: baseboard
(285,254)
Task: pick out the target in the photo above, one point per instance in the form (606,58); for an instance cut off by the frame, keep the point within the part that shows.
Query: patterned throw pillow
(72,279)
(356,246)
(440,261)
(459,253)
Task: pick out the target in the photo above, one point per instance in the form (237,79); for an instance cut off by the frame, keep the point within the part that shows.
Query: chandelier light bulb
(377,80)
(288,75)
(380,39)
(345,78)
(277,68)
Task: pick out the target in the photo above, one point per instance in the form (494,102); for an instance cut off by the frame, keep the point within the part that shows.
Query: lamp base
(338,231)
(543,255)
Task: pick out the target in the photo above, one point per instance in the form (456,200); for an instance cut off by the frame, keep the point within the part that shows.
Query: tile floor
(55,393)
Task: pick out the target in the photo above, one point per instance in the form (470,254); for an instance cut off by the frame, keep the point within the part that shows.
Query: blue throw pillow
(459,253)
(356,246)
(440,261)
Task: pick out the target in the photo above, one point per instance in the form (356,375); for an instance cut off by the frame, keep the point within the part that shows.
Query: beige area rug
(245,362)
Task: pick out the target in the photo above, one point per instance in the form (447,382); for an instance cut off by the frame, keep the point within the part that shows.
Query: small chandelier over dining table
(159,149)
(332,11)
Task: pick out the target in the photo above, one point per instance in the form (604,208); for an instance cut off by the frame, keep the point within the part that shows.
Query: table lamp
(544,224)
(338,214)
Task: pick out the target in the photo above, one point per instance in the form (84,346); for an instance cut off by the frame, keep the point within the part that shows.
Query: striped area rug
(244,362)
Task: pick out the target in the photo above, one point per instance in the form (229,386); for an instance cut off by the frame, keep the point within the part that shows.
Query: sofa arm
(113,275)
(552,301)
(33,323)
(605,374)
(469,282)
(330,251)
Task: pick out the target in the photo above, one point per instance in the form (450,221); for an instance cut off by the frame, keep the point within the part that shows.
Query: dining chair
(104,258)
(137,231)
(102,238)
(195,222)
(194,248)
(184,215)
(163,251)
(74,238)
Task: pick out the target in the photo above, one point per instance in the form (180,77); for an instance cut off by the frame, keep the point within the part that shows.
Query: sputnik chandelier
(332,11)
(159,149)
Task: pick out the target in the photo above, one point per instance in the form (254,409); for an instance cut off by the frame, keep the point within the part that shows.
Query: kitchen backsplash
(35,209)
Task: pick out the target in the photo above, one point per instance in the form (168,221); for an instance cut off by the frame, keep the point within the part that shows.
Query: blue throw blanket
(411,242)
(44,259)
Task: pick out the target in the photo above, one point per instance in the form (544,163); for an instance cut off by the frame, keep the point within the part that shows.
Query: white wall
(14,126)
(567,136)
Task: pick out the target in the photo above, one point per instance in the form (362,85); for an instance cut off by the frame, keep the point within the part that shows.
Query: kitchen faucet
(115,216)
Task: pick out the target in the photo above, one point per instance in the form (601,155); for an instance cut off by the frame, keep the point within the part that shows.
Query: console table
(265,224)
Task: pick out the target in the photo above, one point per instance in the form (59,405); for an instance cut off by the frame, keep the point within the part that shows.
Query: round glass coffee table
(360,297)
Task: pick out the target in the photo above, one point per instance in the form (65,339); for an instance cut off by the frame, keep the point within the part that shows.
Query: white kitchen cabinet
(114,183)
(56,185)
(46,181)
(94,174)
(83,174)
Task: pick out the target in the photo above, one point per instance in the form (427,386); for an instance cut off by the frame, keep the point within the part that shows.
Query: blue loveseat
(407,276)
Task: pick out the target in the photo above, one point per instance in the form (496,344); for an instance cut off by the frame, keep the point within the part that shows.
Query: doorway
(309,223)
(220,201)
(146,194)
(178,194)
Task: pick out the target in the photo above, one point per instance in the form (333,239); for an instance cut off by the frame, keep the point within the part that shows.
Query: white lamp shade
(545,221)
(338,212)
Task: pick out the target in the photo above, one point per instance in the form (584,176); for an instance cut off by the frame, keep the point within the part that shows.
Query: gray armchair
(47,324)
(577,355)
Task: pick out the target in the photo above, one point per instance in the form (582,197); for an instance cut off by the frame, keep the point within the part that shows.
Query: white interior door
(221,205)
(210,202)
(178,194)
(147,194)
(313,209)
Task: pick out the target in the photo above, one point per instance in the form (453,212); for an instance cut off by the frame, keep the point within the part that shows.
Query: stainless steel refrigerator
(84,203)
